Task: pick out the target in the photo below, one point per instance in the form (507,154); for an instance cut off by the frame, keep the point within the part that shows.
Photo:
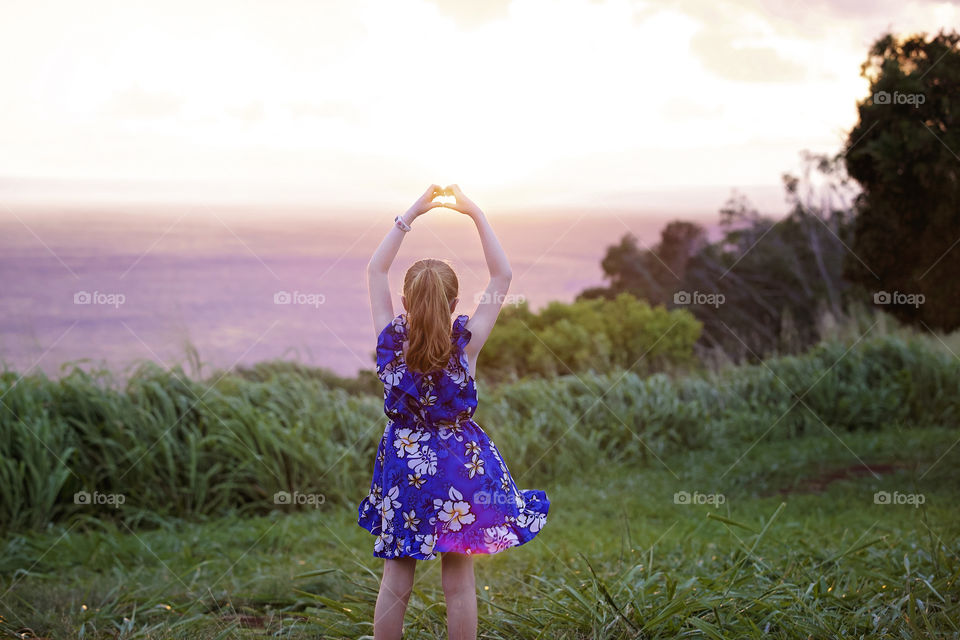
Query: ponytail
(429,288)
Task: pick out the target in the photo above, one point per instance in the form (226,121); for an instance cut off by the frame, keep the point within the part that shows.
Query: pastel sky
(529,102)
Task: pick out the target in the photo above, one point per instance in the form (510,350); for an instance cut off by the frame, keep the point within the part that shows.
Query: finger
(432,191)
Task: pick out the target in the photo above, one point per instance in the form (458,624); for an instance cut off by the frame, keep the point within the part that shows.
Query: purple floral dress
(439,483)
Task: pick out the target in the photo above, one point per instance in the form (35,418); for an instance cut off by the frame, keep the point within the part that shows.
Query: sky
(529,103)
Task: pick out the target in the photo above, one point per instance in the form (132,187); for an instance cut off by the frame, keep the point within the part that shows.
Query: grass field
(809,496)
(796,547)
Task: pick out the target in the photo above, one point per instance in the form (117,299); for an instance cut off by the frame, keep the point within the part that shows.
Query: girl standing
(439,483)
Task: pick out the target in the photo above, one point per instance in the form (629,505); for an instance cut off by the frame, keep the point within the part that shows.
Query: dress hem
(433,556)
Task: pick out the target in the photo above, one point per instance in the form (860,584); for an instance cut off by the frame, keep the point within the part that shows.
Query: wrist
(409,216)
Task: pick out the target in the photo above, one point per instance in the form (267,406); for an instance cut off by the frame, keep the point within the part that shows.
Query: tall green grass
(172,445)
(617,560)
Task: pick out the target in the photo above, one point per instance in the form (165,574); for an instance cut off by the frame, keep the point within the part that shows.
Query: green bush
(176,446)
(588,335)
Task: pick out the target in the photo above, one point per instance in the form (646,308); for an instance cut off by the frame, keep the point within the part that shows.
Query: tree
(773,280)
(905,154)
(764,286)
(651,274)
(603,335)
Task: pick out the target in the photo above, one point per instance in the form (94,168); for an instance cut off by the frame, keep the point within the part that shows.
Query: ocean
(116,286)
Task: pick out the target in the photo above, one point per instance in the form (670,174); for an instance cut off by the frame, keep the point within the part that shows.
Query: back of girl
(440,486)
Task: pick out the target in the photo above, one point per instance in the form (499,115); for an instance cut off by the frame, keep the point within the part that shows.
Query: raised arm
(488,308)
(381,302)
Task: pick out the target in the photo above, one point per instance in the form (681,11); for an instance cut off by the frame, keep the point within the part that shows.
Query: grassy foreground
(796,547)
(163,445)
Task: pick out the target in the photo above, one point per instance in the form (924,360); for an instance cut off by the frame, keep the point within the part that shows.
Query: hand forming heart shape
(449,196)
(445,196)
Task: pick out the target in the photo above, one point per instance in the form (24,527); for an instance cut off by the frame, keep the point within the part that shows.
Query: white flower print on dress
(472,448)
(499,538)
(456,511)
(376,496)
(392,373)
(427,544)
(428,398)
(474,466)
(410,520)
(407,441)
(390,503)
(384,540)
(425,462)
(450,430)
(532,521)
(458,375)
(415,480)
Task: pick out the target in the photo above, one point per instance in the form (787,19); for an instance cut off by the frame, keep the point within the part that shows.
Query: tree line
(877,224)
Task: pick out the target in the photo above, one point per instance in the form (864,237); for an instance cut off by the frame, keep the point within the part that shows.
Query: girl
(439,483)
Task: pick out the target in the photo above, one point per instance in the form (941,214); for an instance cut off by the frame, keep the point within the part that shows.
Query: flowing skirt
(446,489)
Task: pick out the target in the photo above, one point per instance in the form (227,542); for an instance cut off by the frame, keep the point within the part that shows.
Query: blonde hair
(429,286)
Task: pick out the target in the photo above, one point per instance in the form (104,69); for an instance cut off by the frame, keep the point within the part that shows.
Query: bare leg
(392,600)
(460,592)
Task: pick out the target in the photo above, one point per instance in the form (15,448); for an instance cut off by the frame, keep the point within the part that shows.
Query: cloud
(472,14)
(721,53)
(136,102)
(853,10)
(741,42)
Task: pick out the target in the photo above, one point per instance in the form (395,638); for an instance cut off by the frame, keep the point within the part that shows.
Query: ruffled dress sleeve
(390,351)
(461,337)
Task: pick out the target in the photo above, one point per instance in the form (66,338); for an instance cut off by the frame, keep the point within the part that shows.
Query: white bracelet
(403,226)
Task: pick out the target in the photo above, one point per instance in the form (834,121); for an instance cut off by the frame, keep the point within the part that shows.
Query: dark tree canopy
(763,287)
(878,223)
(651,274)
(905,154)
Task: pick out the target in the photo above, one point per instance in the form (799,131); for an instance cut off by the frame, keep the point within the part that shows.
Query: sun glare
(398,91)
